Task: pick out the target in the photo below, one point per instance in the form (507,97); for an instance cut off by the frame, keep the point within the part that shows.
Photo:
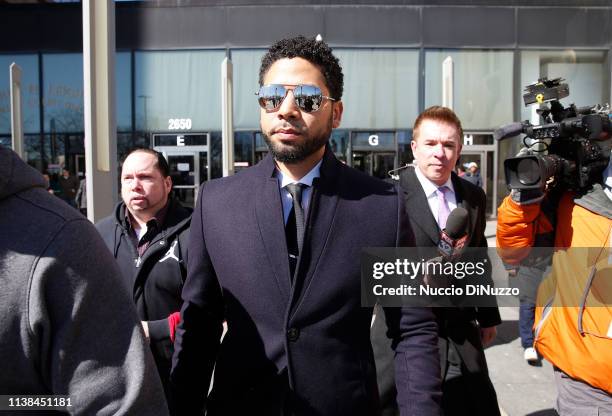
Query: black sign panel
(374,141)
(179,140)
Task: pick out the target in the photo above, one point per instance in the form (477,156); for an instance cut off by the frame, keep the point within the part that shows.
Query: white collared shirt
(286,198)
(431,193)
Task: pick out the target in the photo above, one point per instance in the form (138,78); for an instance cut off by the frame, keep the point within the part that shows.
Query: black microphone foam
(456,224)
(509,130)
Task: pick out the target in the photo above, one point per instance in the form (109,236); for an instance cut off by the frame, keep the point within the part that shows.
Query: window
(29,93)
(380,88)
(178,85)
(63,92)
(243,149)
(584,72)
(246,65)
(483,87)
(123,91)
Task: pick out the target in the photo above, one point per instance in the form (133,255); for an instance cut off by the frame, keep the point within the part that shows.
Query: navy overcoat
(301,348)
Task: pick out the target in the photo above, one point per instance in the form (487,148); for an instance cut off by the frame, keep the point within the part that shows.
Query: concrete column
(16,115)
(447,82)
(227,127)
(99,107)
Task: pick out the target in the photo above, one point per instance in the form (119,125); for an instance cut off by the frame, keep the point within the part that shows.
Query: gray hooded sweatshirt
(67,327)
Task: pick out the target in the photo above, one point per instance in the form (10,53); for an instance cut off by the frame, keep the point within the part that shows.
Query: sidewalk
(522,389)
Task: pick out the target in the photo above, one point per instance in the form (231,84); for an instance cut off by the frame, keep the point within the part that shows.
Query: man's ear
(337,110)
(168,183)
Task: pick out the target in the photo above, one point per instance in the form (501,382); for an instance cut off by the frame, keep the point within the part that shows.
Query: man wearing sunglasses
(275,252)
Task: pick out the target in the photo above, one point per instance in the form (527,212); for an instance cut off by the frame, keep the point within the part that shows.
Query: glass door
(374,163)
(362,161)
(185,174)
(477,166)
(382,164)
(79,166)
(471,167)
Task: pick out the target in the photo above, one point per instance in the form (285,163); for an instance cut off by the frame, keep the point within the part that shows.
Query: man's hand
(487,335)
(145,327)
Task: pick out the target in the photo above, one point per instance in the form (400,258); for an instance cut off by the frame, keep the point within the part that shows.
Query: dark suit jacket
(455,324)
(306,346)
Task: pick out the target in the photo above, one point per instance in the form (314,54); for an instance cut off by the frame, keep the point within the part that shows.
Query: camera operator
(573,320)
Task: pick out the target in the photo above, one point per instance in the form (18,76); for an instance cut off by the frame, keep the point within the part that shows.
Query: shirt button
(293,334)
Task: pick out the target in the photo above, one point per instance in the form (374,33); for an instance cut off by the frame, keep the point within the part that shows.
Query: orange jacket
(573,325)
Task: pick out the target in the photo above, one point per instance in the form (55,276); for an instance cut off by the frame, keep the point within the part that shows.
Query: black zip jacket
(155,279)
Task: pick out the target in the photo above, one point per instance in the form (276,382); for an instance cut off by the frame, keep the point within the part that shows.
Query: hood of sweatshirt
(17,176)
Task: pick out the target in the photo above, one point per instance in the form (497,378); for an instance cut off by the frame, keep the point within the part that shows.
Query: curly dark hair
(316,52)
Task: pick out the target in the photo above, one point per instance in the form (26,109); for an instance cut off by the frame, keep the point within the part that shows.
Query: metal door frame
(482,165)
(173,150)
(482,151)
(79,161)
(193,151)
(352,148)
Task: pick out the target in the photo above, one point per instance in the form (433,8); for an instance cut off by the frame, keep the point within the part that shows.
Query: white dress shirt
(286,198)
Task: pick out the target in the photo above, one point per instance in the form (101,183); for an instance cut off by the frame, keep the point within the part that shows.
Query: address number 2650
(179,124)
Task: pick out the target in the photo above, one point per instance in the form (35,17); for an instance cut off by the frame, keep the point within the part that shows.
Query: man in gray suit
(275,252)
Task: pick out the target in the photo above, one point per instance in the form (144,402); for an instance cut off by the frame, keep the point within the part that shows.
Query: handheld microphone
(453,237)
(451,244)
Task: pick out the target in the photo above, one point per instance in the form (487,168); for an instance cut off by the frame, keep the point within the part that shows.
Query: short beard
(295,153)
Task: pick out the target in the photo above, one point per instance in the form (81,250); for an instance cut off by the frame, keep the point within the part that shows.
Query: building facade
(168,74)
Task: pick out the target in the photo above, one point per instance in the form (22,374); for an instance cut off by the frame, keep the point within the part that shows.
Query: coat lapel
(324,200)
(271,226)
(417,206)
(323,203)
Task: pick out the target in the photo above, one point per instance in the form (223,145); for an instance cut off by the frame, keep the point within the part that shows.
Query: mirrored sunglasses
(307,97)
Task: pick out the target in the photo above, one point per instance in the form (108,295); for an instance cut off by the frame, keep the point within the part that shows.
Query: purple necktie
(443,210)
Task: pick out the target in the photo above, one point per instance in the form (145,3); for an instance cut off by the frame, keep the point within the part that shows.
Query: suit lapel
(271,226)
(463,200)
(459,192)
(417,206)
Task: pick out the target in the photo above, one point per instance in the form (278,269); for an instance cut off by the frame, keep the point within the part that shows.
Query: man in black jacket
(148,236)
(69,185)
(432,190)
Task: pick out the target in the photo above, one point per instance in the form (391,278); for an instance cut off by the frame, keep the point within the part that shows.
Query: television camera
(563,149)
